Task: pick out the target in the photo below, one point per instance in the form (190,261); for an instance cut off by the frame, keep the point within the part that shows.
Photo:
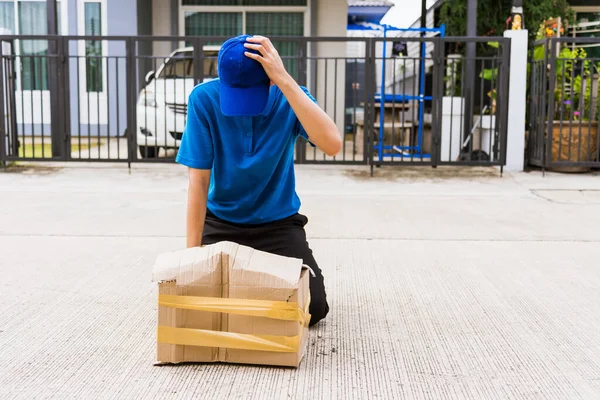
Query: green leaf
(489,74)
(539,53)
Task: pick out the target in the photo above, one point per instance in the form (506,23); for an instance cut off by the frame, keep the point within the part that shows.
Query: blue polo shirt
(251,158)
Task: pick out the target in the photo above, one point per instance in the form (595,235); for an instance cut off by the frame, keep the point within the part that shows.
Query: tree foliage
(493,14)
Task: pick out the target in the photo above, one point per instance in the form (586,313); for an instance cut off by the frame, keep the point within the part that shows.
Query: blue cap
(244,82)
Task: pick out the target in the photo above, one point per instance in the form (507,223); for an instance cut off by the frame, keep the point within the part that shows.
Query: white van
(162,104)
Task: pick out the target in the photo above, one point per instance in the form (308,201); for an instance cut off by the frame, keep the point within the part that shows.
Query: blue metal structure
(373,27)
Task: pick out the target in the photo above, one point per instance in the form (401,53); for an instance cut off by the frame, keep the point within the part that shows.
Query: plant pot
(576,143)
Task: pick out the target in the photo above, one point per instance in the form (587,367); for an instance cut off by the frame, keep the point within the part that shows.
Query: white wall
(332,17)
(161,26)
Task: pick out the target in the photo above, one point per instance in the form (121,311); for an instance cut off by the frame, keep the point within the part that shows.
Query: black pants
(285,237)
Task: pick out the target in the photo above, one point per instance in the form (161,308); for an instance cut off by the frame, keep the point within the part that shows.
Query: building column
(517,101)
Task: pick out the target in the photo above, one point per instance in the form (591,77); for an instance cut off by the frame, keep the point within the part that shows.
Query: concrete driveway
(444,284)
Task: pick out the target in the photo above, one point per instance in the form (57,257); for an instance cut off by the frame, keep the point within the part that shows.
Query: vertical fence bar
(33,81)
(400,146)
(301,62)
(404,112)
(42,130)
(335,83)
(165,109)
(356,85)
(453,91)
(544,106)
(118,109)
(147,151)
(437,94)
(581,111)
(504,86)
(53,86)
(198,60)
(9,101)
(370,66)
(415,92)
(572,99)
(316,78)
(21,86)
(533,99)
(98,81)
(89,111)
(481,100)
(3,107)
(79,97)
(496,82)
(65,100)
(422,78)
(590,117)
(550,116)
(131,100)
(108,102)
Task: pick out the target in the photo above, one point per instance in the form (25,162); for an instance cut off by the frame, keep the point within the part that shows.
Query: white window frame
(64,8)
(582,9)
(81,46)
(243,10)
(586,9)
(64,19)
(33,105)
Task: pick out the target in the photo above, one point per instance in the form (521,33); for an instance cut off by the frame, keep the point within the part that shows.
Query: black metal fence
(124,99)
(564,105)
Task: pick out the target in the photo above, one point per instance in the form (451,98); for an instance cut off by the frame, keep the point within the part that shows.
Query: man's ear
(271,83)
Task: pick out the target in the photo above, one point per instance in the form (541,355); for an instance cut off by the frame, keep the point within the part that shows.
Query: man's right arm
(196,152)
(199,180)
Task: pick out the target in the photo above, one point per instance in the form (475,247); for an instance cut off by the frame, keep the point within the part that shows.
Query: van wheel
(148,151)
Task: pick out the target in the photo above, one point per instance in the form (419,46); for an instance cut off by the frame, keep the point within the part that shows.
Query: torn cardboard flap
(245,267)
(260,269)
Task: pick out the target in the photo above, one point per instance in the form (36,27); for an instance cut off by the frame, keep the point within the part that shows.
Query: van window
(181,65)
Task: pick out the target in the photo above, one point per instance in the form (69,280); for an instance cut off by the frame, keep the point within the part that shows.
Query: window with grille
(271,3)
(203,21)
(93,48)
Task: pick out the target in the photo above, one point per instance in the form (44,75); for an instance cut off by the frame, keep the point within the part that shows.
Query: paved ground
(443,284)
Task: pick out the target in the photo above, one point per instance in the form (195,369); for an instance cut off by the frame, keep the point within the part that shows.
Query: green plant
(492,15)
(491,74)
(573,85)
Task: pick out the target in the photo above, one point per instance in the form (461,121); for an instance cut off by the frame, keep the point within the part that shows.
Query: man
(239,143)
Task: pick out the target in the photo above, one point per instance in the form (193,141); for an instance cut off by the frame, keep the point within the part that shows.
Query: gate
(124,99)
(564,107)
(426,116)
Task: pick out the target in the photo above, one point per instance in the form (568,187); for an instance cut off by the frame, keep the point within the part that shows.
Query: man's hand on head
(319,127)
(269,58)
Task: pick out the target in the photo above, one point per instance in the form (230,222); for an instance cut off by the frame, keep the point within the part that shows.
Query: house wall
(328,83)
(164,12)
(104,117)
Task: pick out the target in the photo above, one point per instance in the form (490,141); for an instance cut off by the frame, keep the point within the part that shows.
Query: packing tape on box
(230,340)
(257,308)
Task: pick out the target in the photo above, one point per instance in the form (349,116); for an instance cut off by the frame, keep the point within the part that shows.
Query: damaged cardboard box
(230,303)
